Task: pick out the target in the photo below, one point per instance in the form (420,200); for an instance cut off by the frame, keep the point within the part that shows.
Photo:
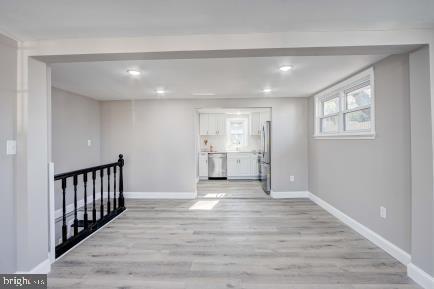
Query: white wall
(8,87)
(359,176)
(32,166)
(158,138)
(75,120)
(422,251)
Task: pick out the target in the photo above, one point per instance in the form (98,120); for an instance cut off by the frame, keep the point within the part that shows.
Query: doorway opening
(234,152)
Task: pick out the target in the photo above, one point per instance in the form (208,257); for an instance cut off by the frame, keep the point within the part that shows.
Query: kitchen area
(234,151)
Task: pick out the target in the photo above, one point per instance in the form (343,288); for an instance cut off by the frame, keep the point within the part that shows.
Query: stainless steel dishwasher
(217,165)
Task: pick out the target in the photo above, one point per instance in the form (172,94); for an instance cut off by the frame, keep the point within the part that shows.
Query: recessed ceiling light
(266,90)
(133,72)
(160,91)
(285,68)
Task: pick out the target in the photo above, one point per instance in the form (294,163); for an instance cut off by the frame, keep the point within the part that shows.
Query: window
(237,132)
(347,109)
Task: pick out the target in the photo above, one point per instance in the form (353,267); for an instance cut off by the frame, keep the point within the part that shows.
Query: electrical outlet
(89,142)
(383,212)
(11,147)
(291,178)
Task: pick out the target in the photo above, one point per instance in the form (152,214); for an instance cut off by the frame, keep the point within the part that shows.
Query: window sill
(346,136)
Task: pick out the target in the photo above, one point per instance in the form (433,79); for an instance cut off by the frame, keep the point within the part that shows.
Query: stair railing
(106,214)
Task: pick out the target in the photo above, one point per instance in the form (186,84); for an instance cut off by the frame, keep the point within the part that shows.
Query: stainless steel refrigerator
(265,159)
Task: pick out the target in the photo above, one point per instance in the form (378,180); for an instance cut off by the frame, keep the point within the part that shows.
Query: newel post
(121,182)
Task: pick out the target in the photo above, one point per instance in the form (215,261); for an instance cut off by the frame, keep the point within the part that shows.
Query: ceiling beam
(233,45)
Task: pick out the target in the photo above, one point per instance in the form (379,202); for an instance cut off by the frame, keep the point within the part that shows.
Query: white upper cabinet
(203,123)
(212,123)
(257,120)
(212,126)
(220,120)
(255,123)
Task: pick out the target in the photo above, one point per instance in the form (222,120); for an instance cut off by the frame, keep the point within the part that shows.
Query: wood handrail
(87,170)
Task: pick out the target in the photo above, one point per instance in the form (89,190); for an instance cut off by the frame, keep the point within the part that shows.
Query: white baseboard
(375,238)
(80,203)
(42,268)
(289,195)
(244,178)
(161,195)
(420,277)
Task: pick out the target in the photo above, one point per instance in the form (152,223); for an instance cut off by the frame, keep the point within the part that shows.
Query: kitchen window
(346,110)
(237,132)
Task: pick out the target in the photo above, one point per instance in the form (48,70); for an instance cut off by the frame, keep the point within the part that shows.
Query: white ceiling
(223,77)
(53,19)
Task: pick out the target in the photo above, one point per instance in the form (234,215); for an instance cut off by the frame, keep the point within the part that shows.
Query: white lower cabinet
(243,165)
(203,165)
(254,165)
(232,167)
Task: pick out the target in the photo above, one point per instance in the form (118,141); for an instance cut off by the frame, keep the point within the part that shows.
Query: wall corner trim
(420,277)
(375,238)
(289,195)
(161,195)
(42,268)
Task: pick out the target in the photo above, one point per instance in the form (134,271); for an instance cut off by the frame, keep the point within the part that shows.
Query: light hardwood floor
(233,189)
(238,243)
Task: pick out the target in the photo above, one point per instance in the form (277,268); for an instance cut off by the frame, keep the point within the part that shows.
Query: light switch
(89,142)
(11,147)
(383,212)
(291,178)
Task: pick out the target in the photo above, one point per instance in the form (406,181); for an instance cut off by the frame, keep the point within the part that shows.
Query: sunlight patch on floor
(215,196)
(204,205)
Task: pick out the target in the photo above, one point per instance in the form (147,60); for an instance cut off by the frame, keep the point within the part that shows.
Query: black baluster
(75,207)
(108,191)
(114,188)
(85,219)
(121,182)
(101,211)
(64,229)
(94,206)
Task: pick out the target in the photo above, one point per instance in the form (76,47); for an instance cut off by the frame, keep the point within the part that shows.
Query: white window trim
(339,90)
(245,121)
